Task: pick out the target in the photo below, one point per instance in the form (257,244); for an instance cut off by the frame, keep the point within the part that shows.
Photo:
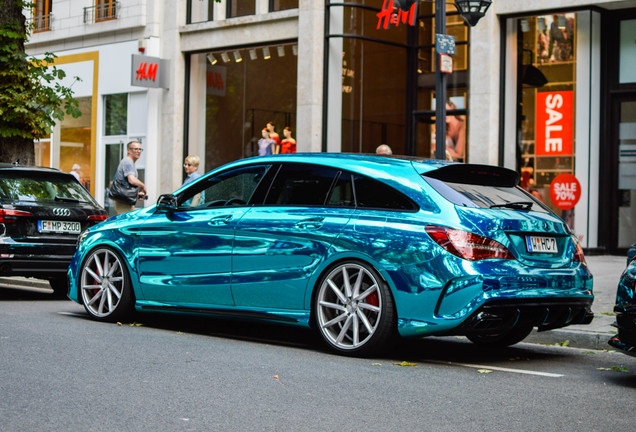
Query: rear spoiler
(485,175)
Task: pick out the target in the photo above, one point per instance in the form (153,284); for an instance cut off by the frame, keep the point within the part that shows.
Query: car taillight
(467,245)
(98,217)
(578,252)
(10,216)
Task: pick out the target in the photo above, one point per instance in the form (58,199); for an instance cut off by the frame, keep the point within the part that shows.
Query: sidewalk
(607,270)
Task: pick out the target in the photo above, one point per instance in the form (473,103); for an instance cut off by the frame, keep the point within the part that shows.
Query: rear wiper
(66,199)
(516,205)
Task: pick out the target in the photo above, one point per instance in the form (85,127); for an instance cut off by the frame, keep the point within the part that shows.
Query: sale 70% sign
(565,191)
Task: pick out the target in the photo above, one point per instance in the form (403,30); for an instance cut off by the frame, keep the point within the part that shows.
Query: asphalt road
(61,371)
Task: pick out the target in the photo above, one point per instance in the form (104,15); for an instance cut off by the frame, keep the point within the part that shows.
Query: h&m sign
(149,71)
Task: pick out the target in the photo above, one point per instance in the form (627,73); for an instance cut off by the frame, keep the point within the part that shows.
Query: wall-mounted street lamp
(471,11)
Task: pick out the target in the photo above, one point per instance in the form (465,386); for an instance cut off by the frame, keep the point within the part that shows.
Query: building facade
(545,87)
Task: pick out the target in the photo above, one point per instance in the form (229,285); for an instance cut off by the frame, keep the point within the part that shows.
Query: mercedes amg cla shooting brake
(361,248)
(42,213)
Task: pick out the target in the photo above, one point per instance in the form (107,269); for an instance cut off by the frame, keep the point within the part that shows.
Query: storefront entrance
(623,210)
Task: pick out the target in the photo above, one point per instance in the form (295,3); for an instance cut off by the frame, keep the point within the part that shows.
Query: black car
(42,213)
(625,310)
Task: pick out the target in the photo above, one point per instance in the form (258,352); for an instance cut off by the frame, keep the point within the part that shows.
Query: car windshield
(40,187)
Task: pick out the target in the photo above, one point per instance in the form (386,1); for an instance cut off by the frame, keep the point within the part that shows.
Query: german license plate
(59,227)
(541,244)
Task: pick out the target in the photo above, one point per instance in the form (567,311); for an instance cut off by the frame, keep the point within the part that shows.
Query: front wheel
(354,309)
(105,286)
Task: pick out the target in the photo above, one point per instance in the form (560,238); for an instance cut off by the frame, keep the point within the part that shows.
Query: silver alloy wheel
(349,306)
(102,283)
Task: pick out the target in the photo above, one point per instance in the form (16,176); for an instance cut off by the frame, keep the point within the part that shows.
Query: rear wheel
(105,286)
(354,309)
(511,337)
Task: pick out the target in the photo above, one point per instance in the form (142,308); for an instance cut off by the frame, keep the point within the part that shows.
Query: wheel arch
(125,258)
(335,260)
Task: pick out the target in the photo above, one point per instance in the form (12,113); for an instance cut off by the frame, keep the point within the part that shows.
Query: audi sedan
(42,213)
(360,248)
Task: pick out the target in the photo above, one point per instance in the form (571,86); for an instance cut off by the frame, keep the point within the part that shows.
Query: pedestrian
(191,165)
(288,145)
(266,144)
(75,171)
(271,128)
(127,188)
(383,149)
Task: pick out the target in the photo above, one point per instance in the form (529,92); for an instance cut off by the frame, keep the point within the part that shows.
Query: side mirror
(166,203)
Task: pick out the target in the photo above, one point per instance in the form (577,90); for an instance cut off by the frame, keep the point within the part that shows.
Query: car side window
(301,184)
(371,193)
(341,194)
(233,187)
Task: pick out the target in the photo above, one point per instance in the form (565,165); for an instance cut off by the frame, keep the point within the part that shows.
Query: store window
(75,141)
(387,89)
(546,69)
(115,114)
(456,85)
(243,91)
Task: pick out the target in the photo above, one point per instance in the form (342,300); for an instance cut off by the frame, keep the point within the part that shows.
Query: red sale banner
(554,123)
(565,191)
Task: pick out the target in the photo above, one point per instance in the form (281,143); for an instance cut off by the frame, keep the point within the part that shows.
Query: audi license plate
(59,227)
(541,244)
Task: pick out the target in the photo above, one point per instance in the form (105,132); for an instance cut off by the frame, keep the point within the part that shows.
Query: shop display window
(244,90)
(546,112)
(388,77)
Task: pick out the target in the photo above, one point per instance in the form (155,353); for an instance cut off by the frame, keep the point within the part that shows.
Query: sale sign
(554,123)
(565,191)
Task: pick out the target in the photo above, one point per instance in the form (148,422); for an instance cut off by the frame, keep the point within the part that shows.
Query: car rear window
(41,187)
(482,186)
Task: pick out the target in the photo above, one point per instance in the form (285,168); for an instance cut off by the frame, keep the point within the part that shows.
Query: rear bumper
(500,316)
(35,260)
(625,340)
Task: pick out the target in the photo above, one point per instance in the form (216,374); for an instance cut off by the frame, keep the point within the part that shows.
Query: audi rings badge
(58,211)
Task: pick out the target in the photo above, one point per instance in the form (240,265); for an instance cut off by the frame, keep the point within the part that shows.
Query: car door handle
(220,220)
(311,223)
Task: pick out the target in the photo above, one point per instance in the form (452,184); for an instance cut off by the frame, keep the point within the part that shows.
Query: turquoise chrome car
(358,247)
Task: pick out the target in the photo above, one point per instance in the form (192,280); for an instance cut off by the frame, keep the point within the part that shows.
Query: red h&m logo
(147,71)
(215,80)
(389,15)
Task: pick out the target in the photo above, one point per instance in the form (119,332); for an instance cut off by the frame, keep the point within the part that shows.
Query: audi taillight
(578,252)
(10,216)
(98,217)
(467,245)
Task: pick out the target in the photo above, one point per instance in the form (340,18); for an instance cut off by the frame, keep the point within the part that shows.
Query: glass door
(626,172)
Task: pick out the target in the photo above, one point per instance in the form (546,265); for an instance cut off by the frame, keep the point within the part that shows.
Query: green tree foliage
(31,97)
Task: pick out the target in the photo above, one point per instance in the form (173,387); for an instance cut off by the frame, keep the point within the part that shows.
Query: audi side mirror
(166,203)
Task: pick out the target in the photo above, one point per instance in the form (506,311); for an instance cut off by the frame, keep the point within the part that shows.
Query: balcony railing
(102,12)
(42,22)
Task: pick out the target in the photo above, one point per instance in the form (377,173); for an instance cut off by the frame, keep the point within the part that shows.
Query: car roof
(356,160)
(13,167)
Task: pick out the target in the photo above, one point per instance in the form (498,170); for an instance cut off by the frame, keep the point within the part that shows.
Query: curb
(577,339)
(22,282)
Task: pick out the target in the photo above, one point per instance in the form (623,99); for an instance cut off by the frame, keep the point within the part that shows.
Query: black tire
(354,310)
(59,285)
(105,287)
(511,337)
